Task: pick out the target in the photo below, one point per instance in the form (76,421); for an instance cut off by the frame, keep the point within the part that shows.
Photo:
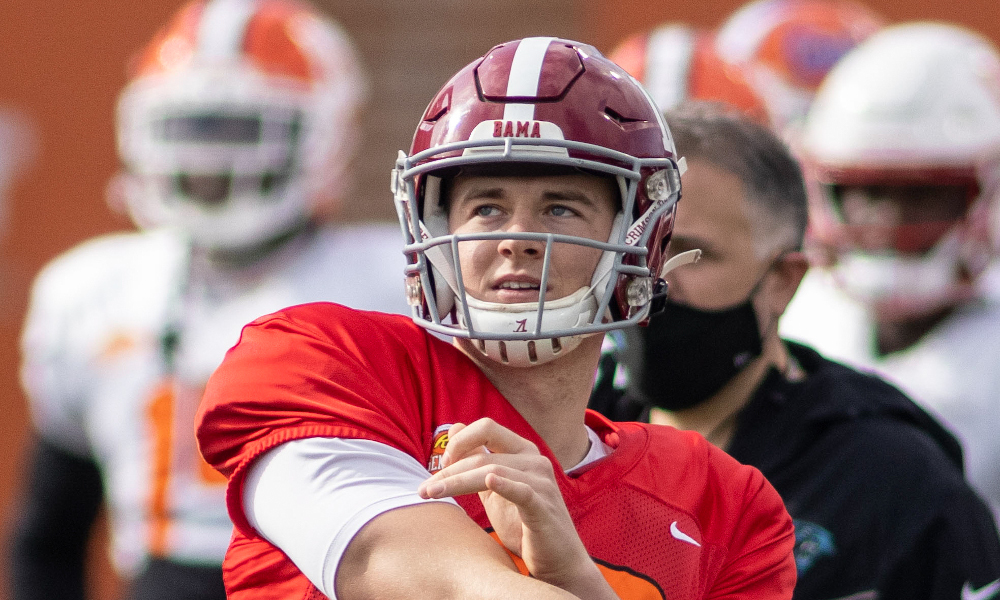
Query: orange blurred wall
(61,64)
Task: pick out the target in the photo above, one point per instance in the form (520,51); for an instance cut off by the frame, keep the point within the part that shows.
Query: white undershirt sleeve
(291,491)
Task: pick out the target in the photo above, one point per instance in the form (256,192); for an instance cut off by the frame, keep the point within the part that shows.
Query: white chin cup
(493,317)
(905,285)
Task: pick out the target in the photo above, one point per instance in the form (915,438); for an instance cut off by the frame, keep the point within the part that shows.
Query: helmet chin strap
(679,260)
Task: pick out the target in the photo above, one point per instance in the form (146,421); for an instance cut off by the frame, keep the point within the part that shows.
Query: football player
(236,131)
(367,458)
(903,147)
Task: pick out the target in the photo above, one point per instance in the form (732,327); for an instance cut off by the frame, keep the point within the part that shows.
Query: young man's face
(510,271)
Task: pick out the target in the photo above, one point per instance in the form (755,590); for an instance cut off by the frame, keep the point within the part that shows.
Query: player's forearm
(432,551)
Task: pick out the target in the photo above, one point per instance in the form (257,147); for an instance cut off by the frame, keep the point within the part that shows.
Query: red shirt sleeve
(749,519)
(316,370)
(760,563)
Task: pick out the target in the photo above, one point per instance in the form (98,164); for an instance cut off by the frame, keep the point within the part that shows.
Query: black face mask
(689,354)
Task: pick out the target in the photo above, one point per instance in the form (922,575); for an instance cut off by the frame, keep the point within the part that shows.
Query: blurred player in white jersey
(786,47)
(902,146)
(236,131)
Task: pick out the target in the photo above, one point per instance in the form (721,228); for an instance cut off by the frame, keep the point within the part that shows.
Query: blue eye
(485,210)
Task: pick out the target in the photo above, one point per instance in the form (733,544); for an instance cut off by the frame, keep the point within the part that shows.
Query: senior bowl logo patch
(437,448)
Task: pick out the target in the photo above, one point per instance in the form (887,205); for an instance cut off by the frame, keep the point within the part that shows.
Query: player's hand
(518,489)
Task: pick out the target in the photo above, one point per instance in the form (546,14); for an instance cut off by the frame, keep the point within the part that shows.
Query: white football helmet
(913,112)
(239,123)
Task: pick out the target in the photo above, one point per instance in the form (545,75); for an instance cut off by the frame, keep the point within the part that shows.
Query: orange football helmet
(239,121)
(676,62)
(786,47)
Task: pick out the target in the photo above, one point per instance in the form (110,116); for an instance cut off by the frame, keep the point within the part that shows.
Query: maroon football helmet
(559,104)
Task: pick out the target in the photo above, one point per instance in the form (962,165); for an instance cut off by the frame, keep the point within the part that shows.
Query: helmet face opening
(215,156)
(539,106)
(909,219)
(210,129)
(199,137)
(214,191)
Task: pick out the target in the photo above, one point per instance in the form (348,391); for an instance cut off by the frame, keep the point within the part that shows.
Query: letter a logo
(522,326)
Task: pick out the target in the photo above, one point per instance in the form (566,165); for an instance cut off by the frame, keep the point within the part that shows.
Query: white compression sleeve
(310,497)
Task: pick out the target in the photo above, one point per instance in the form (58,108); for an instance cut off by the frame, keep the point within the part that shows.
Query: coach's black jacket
(874,484)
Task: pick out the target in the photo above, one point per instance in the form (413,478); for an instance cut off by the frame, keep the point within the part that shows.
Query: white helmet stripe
(223,27)
(525,73)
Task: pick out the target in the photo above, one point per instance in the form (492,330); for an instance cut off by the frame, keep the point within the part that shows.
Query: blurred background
(62,64)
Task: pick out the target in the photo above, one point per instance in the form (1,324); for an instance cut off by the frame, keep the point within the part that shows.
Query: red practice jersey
(665,515)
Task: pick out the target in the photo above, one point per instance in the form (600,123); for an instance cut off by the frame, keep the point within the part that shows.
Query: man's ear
(788,271)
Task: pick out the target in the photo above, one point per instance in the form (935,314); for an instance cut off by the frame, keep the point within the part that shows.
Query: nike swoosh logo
(677,533)
(987,592)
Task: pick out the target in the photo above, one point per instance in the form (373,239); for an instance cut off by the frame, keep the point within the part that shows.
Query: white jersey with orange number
(953,370)
(106,381)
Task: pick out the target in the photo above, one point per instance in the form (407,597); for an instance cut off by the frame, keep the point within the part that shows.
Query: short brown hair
(776,193)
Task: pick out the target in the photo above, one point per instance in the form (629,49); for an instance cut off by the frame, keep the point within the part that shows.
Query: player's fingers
(515,492)
(471,481)
(450,457)
(534,466)
(543,513)
(484,433)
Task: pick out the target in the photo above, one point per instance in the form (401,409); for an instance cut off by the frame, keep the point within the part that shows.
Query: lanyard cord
(170,338)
